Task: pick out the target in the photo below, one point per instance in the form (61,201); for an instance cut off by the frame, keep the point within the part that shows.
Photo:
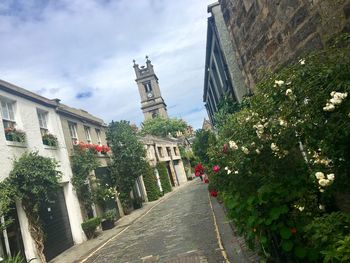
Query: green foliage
(83,163)
(296,125)
(6,199)
(201,145)
(163,126)
(128,158)
(150,180)
(15,135)
(50,140)
(35,180)
(14,259)
(226,106)
(163,177)
(110,214)
(89,226)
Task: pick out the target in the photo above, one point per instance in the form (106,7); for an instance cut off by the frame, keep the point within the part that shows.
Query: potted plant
(108,219)
(14,135)
(50,139)
(90,226)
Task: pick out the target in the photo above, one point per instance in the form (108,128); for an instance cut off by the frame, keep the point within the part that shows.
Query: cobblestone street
(180,229)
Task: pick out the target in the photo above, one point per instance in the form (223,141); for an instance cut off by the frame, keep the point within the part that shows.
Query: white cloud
(61,48)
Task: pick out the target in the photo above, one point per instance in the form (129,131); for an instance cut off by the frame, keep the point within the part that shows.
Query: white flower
(226,168)
(319,175)
(289,92)
(321,207)
(336,101)
(330,177)
(282,122)
(321,190)
(233,145)
(302,61)
(257,151)
(333,93)
(349,114)
(301,208)
(274,147)
(324,182)
(236,172)
(329,107)
(229,171)
(245,150)
(279,82)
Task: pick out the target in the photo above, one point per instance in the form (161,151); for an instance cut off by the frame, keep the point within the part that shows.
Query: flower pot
(107,224)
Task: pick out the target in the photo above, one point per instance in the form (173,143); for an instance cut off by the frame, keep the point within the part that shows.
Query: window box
(50,140)
(14,135)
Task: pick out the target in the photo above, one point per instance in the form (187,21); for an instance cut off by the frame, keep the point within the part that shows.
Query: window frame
(75,130)
(87,131)
(98,134)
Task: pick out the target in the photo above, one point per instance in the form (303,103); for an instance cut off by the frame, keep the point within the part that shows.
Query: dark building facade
(222,75)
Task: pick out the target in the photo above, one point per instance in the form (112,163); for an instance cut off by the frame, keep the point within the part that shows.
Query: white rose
(302,61)
(229,171)
(301,208)
(289,92)
(321,207)
(336,101)
(274,147)
(279,82)
(330,177)
(257,151)
(323,182)
(233,145)
(236,172)
(245,150)
(319,175)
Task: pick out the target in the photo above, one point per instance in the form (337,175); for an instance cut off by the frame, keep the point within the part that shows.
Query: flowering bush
(95,148)
(286,155)
(15,135)
(199,170)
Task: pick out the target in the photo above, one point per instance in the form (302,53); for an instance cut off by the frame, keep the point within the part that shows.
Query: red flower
(98,148)
(213,193)
(198,174)
(216,168)
(105,149)
(293,230)
(206,180)
(199,169)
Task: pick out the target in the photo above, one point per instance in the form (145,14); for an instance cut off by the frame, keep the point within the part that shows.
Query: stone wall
(268,33)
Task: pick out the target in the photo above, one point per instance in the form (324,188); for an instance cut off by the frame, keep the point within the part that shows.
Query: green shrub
(90,226)
(284,160)
(150,180)
(164,178)
(110,214)
(14,259)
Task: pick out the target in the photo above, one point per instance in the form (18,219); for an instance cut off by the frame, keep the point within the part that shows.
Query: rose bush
(286,155)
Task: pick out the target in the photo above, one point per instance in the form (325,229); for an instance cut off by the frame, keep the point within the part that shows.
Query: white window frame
(87,131)
(43,119)
(73,130)
(9,105)
(98,133)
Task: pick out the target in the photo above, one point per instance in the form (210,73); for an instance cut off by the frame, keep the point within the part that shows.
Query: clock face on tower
(149,95)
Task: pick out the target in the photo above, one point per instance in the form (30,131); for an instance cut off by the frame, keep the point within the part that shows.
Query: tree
(163,126)
(128,158)
(201,144)
(35,180)
(226,106)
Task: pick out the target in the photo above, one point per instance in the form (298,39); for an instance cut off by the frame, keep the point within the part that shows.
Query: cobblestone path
(178,230)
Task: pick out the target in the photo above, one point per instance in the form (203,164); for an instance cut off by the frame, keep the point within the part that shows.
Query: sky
(81,52)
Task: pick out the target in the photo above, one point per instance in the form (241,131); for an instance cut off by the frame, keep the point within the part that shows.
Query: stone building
(79,126)
(165,150)
(152,102)
(222,76)
(267,34)
(33,119)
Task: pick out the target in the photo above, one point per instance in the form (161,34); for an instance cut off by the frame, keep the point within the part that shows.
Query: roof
(79,113)
(10,88)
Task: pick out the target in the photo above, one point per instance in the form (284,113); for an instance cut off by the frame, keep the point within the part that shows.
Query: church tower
(152,103)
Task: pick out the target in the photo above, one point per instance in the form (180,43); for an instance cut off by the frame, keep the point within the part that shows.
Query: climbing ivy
(164,178)
(150,180)
(35,180)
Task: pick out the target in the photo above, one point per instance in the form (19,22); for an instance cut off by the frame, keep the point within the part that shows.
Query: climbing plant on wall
(34,180)
(164,178)
(151,185)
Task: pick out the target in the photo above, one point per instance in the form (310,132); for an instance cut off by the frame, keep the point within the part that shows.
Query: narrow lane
(180,229)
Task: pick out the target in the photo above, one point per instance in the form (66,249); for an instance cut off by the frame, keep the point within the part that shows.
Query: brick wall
(268,33)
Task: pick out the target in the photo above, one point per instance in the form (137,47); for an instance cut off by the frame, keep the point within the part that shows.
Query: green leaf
(300,252)
(285,232)
(287,245)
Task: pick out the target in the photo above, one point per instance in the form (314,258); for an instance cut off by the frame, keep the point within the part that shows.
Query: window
(73,131)
(87,134)
(8,116)
(160,150)
(42,117)
(168,151)
(148,87)
(98,133)
(176,151)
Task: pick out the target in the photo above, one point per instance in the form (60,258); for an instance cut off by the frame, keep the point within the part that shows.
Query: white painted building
(36,115)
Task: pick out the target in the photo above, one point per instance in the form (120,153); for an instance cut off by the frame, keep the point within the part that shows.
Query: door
(170,174)
(56,226)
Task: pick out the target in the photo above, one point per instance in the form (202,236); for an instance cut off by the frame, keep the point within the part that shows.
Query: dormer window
(148,86)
